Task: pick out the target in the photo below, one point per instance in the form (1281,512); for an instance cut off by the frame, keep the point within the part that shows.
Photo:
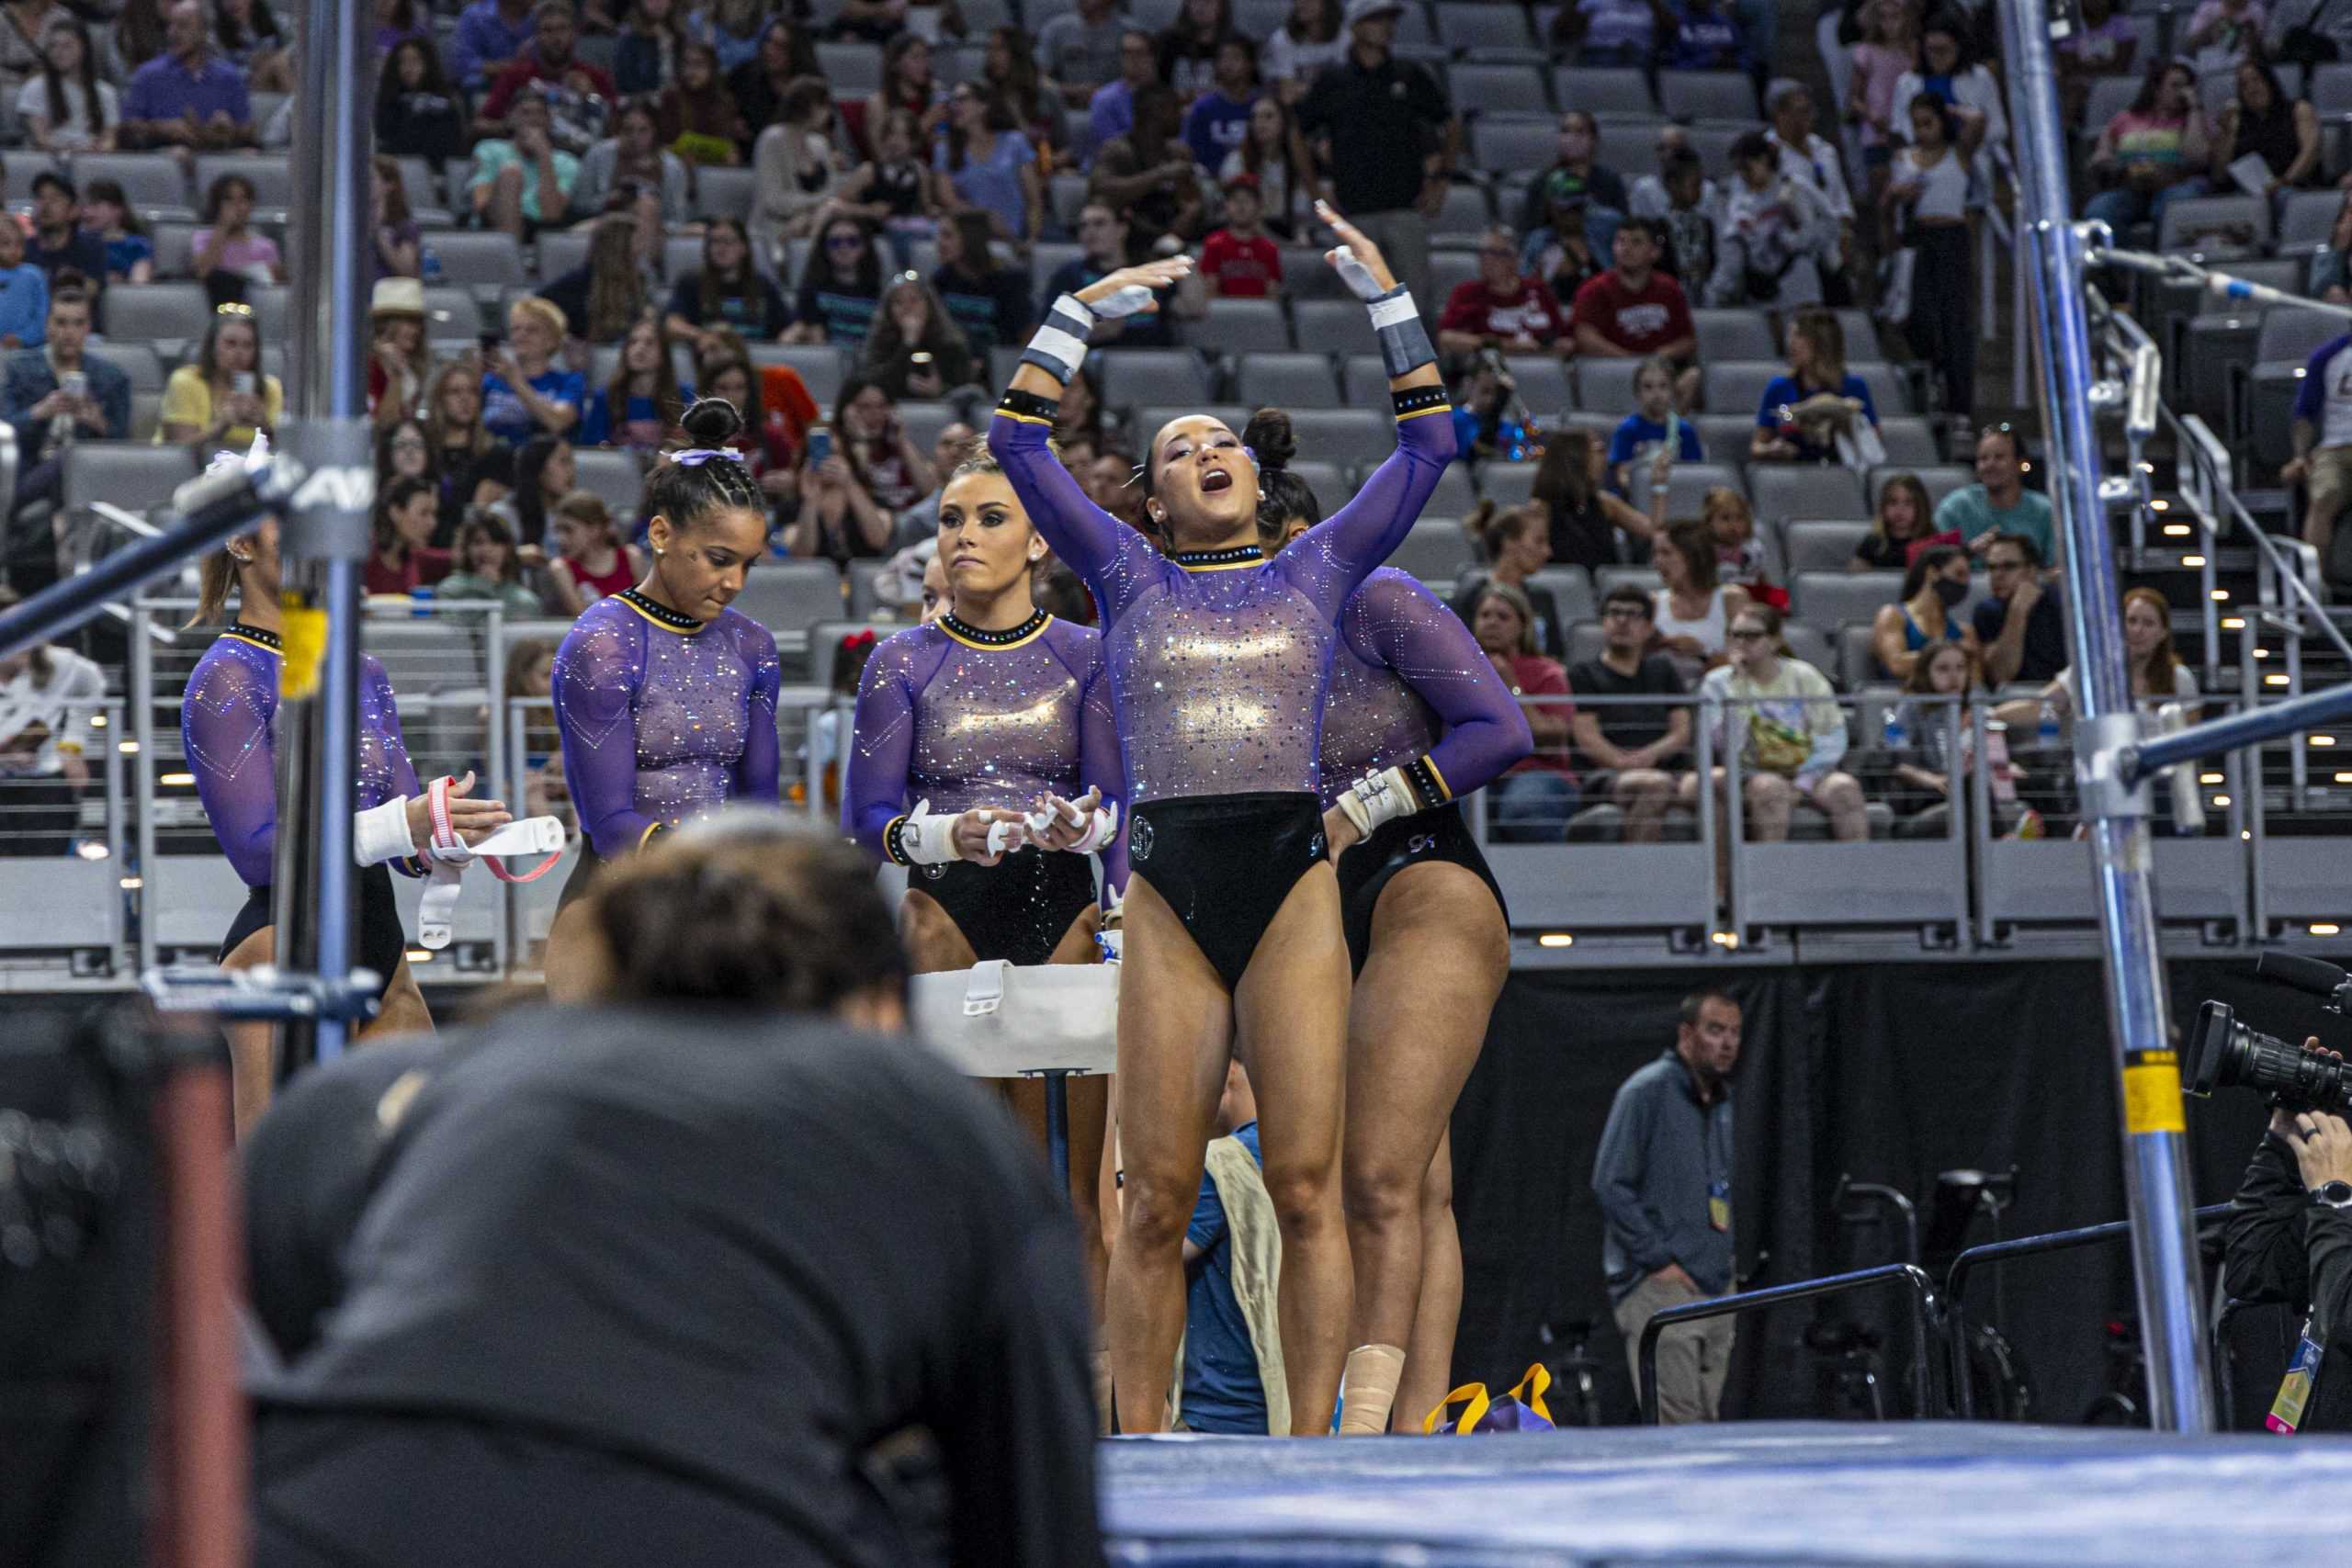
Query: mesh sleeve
(597,671)
(1340,552)
(1091,541)
(380,713)
(1102,765)
(1433,652)
(224,724)
(882,740)
(757,770)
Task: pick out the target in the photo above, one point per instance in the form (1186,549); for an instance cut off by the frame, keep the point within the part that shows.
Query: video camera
(2227,1053)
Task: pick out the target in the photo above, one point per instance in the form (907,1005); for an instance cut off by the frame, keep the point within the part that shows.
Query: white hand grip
(531,836)
(984,990)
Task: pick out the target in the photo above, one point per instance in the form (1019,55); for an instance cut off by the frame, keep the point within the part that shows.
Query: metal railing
(1920,1290)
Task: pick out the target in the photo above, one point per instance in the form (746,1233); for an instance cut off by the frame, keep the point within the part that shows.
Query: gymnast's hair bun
(1269,436)
(712,421)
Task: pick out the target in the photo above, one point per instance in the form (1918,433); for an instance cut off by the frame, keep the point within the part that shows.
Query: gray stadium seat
(272,177)
(273,308)
(1435,550)
(1586,640)
(1447,271)
(1599,90)
(1454,497)
(1890,393)
(2201,220)
(1726,96)
(560,250)
(1724,436)
(1737,386)
(1642,577)
(487,259)
(1606,386)
(1809,644)
(1843,598)
(923,421)
(138,361)
(1514,144)
(1149,422)
(790,596)
(1713,144)
(1909,441)
(604,362)
(1345,436)
(1783,491)
(2309,217)
(681,254)
(130,474)
(174,246)
(1045,258)
(1466,213)
(167,316)
(1328,481)
(2111,96)
(1856,663)
(850,68)
(1132,377)
(1500,89)
(1306,276)
(1237,326)
(722,192)
(154,182)
(1543,385)
(1337,326)
(1571,591)
(1482,27)
(1507,484)
(863,603)
(1287,381)
(1687,487)
(455,314)
(1735,334)
(1823,547)
(820,365)
(615,477)
(424,203)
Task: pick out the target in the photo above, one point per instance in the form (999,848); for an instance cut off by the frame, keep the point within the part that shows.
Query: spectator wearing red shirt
(1239,262)
(570,80)
(1633,310)
(1502,307)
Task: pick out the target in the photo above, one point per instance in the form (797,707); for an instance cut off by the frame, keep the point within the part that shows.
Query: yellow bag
(1520,1410)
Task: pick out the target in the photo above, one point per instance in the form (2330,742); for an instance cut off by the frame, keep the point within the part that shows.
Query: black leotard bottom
(1436,834)
(1225,863)
(382,943)
(1018,910)
(583,874)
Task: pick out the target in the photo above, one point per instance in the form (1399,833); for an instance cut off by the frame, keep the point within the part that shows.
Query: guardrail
(1926,1322)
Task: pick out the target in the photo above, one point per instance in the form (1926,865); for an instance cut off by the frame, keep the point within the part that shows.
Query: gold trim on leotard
(1240,558)
(661,615)
(1011,636)
(268,642)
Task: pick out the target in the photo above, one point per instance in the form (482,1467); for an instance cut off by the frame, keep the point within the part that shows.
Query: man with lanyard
(1663,1176)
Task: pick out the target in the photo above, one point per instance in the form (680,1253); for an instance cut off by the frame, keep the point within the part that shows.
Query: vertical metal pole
(1702,746)
(2164,1250)
(325,543)
(143,772)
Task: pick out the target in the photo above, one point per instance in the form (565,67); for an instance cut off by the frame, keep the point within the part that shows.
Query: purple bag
(1520,1410)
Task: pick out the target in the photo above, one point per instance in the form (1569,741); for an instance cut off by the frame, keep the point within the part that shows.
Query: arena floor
(1784,1494)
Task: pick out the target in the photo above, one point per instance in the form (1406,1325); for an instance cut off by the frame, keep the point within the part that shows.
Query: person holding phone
(859,477)
(524,393)
(224,400)
(916,349)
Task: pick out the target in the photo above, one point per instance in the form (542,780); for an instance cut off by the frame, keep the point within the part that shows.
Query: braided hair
(1271,440)
(687,486)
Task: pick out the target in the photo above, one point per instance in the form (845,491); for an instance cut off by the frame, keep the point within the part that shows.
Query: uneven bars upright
(2164,1252)
(324,540)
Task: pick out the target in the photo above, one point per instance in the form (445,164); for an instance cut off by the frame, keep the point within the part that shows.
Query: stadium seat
(681,257)
(273,308)
(2111,96)
(819,365)
(454,313)
(1939,480)
(424,203)
(1149,420)
(1500,89)
(1811,645)
(1287,381)
(1856,663)
(1306,275)
(174,246)
(1843,598)
(487,259)
(1602,90)
(166,316)
(924,420)
(1493,26)
(1783,491)
(1571,591)
(1725,95)
(1737,386)
(138,361)
(1465,215)
(1131,376)
(1687,487)
(1507,484)
(1454,496)
(1724,436)
(1606,386)
(1328,481)
(852,70)
(791,596)
(1713,144)
(271,174)
(1543,385)
(615,480)
(1890,393)
(2307,218)
(1734,334)
(1823,547)
(1586,640)
(1516,143)
(1045,258)
(604,362)
(154,182)
(562,250)
(1237,326)
(722,192)
(2200,220)
(1435,550)
(130,474)
(864,601)
(1337,326)
(1345,436)
(1642,577)
(1910,442)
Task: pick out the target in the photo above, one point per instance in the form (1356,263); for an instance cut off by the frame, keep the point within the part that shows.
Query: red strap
(446,836)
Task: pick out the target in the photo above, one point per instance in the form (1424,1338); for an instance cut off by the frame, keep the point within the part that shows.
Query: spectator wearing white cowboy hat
(398,362)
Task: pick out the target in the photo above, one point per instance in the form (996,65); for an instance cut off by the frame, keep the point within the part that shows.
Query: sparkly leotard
(664,717)
(964,723)
(225,725)
(1409,681)
(1218,669)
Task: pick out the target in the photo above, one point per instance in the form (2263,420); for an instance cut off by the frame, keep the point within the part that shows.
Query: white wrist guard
(1059,346)
(1118,303)
(1355,275)
(921,838)
(1099,832)
(381,833)
(1379,797)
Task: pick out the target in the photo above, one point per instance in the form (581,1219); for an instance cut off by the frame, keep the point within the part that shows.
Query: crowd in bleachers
(1644,259)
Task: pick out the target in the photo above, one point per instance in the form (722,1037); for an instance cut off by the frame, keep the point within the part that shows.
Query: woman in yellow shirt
(222,399)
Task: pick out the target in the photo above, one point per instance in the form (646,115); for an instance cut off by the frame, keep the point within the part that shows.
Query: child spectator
(1743,557)
(1239,261)
(894,189)
(696,116)
(64,104)
(1905,523)
(593,563)
(1532,801)
(490,569)
(131,256)
(1884,53)
(1691,207)
(1218,121)
(1653,425)
(638,408)
(1774,231)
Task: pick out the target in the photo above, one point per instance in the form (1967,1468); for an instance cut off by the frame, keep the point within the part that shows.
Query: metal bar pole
(1733,821)
(1058,1124)
(493,777)
(143,775)
(1702,757)
(1924,1321)
(2248,726)
(325,539)
(2155,1163)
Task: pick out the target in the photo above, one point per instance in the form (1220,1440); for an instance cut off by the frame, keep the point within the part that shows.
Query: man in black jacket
(2290,1240)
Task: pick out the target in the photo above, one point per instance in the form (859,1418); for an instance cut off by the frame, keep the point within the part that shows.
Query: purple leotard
(963,725)
(663,719)
(1217,675)
(1409,681)
(225,725)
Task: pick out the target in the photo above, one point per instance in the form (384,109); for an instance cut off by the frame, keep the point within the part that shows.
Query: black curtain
(1887,1073)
